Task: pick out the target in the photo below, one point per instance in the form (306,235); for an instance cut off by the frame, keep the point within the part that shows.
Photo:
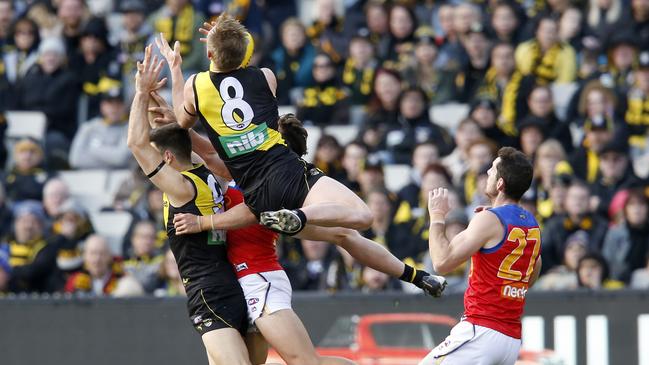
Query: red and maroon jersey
(499,276)
(251,249)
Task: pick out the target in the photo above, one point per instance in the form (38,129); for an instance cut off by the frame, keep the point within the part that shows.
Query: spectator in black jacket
(50,88)
(577,217)
(32,256)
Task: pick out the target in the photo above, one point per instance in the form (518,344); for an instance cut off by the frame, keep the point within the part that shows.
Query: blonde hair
(227,43)
(591,86)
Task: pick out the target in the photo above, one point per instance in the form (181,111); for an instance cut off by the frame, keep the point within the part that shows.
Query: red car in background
(394,339)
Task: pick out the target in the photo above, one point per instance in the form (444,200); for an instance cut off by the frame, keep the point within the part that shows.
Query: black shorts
(285,188)
(215,307)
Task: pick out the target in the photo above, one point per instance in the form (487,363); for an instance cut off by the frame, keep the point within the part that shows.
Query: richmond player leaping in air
(503,243)
(215,300)
(236,104)
(251,251)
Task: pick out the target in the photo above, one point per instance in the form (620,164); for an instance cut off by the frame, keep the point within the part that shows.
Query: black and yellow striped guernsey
(201,257)
(239,112)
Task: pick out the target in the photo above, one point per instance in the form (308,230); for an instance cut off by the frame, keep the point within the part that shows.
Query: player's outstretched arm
(182,93)
(484,228)
(166,179)
(237,217)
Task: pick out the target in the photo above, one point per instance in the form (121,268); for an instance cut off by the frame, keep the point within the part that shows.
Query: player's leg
(257,347)
(286,333)
(371,254)
(328,203)
(225,346)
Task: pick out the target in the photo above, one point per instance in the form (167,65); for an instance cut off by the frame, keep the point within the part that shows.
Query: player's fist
(438,202)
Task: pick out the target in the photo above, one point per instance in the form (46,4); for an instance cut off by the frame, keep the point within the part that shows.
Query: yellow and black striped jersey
(201,257)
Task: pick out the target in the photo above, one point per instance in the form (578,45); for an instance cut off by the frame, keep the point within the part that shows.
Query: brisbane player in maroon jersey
(503,243)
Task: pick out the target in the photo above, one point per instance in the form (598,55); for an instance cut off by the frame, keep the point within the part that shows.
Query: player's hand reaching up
(148,72)
(438,203)
(173,57)
(205,30)
(162,113)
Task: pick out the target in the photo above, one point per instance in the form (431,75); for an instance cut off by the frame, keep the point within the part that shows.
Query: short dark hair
(516,171)
(174,138)
(294,133)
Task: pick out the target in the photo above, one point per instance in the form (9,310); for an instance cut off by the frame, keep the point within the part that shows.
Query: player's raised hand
(163,114)
(438,202)
(205,30)
(148,72)
(173,57)
(186,223)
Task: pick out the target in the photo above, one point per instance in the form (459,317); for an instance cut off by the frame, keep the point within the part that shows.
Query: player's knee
(362,219)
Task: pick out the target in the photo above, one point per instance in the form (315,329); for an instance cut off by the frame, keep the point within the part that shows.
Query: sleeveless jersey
(201,257)
(239,112)
(499,276)
(251,249)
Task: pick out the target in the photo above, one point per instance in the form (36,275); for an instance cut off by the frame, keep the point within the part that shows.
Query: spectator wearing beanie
(101,142)
(97,68)
(50,88)
(32,256)
(26,178)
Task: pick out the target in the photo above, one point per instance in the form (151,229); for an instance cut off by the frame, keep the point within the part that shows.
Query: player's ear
(500,184)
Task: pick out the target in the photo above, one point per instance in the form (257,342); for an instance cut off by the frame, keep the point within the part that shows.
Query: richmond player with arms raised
(503,243)
(236,104)
(215,300)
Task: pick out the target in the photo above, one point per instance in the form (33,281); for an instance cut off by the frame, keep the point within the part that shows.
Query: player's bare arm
(236,217)
(182,92)
(483,230)
(166,179)
(271,80)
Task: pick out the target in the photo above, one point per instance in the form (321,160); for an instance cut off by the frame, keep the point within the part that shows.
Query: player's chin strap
(250,49)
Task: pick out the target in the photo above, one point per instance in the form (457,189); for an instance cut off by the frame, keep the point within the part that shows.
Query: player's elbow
(442,267)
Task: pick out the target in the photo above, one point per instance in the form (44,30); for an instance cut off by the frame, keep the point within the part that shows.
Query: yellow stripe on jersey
(204,198)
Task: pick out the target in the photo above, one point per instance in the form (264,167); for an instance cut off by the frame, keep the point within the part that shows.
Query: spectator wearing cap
(70,228)
(423,155)
(626,245)
(26,178)
(564,276)
(584,161)
(178,21)
(132,41)
(96,65)
(593,273)
(292,60)
(51,88)
(470,75)
(24,53)
(637,112)
(359,68)
(421,71)
(32,256)
(326,102)
(484,112)
(622,57)
(72,15)
(578,216)
(545,57)
(145,262)
(327,31)
(615,173)
(415,127)
(100,273)
(101,142)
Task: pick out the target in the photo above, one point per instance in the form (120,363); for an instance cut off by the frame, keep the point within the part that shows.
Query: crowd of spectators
(378,65)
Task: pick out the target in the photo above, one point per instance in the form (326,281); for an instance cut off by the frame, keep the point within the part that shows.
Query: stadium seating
(25,124)
(113,226)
